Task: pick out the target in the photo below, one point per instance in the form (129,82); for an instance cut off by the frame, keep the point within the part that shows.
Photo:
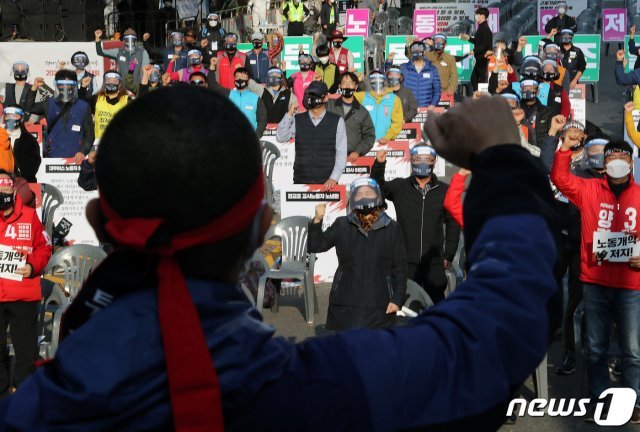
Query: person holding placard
(25,250)
(611,289)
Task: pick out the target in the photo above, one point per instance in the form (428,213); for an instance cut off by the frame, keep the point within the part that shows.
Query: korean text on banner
(614,25)
(424,22)
(615,246)
(292,46)
(10,261)
(577,97)
(357,23)
(452,13)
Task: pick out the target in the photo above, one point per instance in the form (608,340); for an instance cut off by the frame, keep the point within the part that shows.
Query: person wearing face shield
(572,57)
(552,52)
(26,150)
(419,204)
(17,92)
(525,129)
(330,72)
(557,98)
(320,139)
(80,61)
(395,81)
(610,289)
(482,42)
(109,100)
(275,96)
(340,55)
(151,79)
(367,238)
(537,115)
(228,60)
(385,108)
(444,62)
(301,80)
(421,77)
(257,62)
(132,54)
(70,127)
(176,53)
(361,133)
(194,62)
(560,22)
(295,12)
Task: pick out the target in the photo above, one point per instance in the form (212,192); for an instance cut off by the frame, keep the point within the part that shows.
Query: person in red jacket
(228,61)
(20,292)
(611,289)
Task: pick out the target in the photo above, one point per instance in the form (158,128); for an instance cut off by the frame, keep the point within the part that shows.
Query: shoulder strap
(62,112)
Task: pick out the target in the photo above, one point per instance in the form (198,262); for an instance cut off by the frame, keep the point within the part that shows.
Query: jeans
(603,306)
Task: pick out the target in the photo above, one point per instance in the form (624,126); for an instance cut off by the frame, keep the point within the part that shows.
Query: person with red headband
(25,250)
(161,338)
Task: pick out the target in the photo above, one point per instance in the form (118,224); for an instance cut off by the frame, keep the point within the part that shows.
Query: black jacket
(325,15)
(539,118)
(372,268)
(482,41)
(573,60)
(26,153)
(560,23)
(421,215)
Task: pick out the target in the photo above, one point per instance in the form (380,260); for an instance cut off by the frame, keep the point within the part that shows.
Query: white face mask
(618,168)
(324,60)
(213,23)
(561,10)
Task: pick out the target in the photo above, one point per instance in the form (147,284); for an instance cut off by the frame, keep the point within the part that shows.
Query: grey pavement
(290,323)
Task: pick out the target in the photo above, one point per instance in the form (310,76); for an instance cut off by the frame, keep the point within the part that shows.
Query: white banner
(577,98)
(615,246)
(43,59)
(63,174)
(11,259)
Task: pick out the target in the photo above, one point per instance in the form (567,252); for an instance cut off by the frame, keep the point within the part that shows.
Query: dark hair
(79,52)
(66,74)
(353,77)
(122,91)
(191,33)
(198,74)
(10,174)
(483,11)
(142,172)
(322,50)
(241,70)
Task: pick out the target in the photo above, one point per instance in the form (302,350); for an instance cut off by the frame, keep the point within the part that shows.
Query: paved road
(290,323)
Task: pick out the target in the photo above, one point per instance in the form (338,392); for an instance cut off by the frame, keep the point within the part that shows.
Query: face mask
(314,102)
(438,46)
(194,61)
(566,39)
(393,82)
(337,44)
(561,10)
(304,67)
(551,56)
(257,45)
(11,124)
(421,170)
(274,81)
(377,86)
(417,54)
(595,161)
(167,4)
(213,23)
(111,88)
(347,92)
(130,43)
(230,48)
(324,60)
(240,83)
(6,200)
(177,42)
(80,63)
(528,95)
(550,76)
(365,210)
(190,44)
(154,77)
(618,168)
(20,75)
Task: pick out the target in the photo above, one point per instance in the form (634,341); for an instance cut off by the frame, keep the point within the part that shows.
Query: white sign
(577,98)
(10,261)
(615,246)
(63,174)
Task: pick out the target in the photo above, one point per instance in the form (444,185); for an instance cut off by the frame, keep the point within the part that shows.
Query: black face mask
(230,48)
(550,76)
(337,44)
(528,95)
(191,44)
(111,88)
(305,67)
(366,210)
(6,200)
(20,76)
(314,102)
(240,83)
(347,92)
(438,46)
(257,45)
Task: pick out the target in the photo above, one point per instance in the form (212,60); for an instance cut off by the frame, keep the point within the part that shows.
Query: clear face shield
(417,51)
(12,118)
(155,74)
(394,77)
(305,62)
(194,58)
(112,82)
(423,159)
(130,43)
(566,37)
(67,90)
(80,61)
(364,195)
(274,78)
(377,81)
(177,39)
(20,71)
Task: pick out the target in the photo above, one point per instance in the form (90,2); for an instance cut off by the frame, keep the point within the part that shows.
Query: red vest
(227,67)
(342,61)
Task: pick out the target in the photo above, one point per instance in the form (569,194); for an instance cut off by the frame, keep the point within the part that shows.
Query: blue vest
(380,113)
(259,66)
(247,102)
(65,140)
(178,63)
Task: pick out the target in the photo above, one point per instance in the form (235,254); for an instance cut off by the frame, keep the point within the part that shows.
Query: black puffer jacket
(372,269)
(26,153)
(421,215)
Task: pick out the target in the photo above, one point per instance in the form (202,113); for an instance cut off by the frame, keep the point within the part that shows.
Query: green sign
(455,47)
(590,46)
(355,44)
(631,60)
(292,46)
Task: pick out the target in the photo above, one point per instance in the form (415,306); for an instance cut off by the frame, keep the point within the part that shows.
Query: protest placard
(615,246)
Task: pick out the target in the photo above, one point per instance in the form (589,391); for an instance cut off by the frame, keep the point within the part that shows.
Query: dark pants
(295,29)
(327,31)
(479,72)
(431,277)
(570,261)
(22,316)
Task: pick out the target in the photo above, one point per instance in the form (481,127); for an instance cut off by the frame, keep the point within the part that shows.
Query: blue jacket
(258,65)
(247,102)
(482,341)
(628,78)
(67,137)
(380,112)
(424,85)
(179,63)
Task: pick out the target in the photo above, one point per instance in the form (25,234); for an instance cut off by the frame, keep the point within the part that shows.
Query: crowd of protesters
(335,115)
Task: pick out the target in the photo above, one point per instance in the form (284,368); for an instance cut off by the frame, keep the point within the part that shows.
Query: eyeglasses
(197,82)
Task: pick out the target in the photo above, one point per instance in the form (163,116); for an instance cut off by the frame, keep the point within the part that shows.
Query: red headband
(193,382)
